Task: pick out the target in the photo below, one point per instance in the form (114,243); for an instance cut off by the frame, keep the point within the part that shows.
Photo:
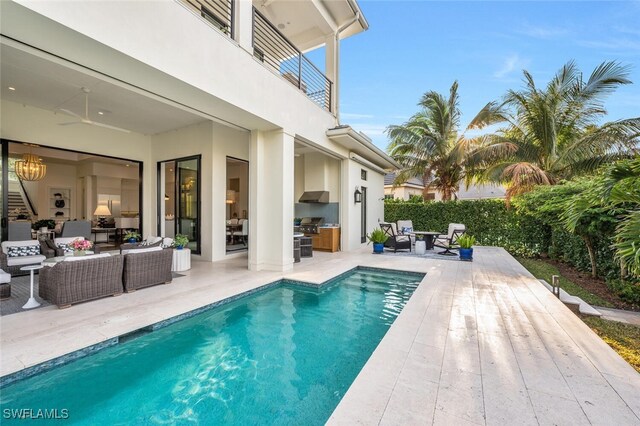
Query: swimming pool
(285,355)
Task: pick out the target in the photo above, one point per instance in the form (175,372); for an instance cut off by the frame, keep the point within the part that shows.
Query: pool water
(285,355)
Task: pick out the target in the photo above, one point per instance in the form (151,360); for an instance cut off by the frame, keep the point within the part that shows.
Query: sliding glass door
(4,179)
(179,199)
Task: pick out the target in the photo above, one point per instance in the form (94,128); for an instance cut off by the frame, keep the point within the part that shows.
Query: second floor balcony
(275,51)
(298,26)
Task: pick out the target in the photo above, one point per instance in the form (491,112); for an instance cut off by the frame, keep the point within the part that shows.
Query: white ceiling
(307,23)
(50,86)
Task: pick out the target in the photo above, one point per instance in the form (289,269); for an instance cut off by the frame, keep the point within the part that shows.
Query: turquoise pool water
(285,355)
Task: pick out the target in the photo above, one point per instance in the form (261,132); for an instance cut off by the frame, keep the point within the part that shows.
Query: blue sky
(416,46)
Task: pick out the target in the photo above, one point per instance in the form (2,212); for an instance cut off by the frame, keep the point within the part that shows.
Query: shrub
(487,220)
(627,291)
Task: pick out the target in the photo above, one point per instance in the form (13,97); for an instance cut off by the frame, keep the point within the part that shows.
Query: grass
(543,270)
(623,338)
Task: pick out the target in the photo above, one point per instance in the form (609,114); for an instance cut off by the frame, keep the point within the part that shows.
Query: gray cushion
(25,260)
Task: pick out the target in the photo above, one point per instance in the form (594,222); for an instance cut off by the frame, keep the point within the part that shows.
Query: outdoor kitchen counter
(328,239)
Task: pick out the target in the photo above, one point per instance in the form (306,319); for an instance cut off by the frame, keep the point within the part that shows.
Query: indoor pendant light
(30,168)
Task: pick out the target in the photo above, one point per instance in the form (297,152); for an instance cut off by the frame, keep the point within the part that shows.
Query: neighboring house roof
(390,177)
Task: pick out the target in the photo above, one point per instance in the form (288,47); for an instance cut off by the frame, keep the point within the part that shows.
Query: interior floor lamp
(231,199)
(101,211)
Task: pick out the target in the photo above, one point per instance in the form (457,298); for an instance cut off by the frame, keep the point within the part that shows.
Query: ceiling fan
(86,119)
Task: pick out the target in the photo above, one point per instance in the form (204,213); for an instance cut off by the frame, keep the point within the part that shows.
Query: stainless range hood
(314,197)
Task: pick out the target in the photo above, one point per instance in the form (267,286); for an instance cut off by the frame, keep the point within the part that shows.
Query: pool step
(574,303)
(372,285)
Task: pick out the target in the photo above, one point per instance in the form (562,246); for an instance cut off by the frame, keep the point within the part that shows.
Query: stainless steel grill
(310,225)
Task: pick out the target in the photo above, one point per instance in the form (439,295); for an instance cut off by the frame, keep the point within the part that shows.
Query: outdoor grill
(310,225)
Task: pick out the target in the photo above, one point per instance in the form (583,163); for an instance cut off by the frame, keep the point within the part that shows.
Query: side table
(31,303)
(181,260)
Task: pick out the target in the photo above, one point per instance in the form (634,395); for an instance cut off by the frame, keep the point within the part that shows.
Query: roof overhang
(405,185)
(307,24)
(361,145)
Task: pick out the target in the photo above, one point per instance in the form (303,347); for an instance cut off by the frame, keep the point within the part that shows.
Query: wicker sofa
(145,267)
(70,282)
(11,264)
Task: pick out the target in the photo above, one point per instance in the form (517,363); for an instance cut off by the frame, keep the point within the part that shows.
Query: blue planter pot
(132,240)
(179,247)
(378,248)
(466,254)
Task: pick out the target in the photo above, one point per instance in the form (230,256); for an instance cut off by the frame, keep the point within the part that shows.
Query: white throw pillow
(87,257)
(141,250)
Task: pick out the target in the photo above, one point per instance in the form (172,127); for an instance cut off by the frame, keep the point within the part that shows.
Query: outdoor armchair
(17,254)
(395,241)
(449,241)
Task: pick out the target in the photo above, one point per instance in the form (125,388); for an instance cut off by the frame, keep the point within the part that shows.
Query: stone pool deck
(478,343)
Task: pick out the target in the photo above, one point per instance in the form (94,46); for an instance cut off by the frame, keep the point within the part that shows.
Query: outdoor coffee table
(427,237)
(31,303)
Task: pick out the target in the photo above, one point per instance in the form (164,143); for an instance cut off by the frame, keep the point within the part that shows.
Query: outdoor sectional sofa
(146,267)
(80,280)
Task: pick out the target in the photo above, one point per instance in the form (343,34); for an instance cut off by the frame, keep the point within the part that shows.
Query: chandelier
(30,168)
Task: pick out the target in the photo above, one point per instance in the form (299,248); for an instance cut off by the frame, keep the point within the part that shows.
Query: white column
(271,201)
(243,24)
(332,61)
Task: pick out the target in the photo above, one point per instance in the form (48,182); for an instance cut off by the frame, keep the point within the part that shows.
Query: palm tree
(553,133)
(428,146)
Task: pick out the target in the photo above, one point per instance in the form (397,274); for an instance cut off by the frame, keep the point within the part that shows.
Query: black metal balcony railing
(219,13)
(272,48)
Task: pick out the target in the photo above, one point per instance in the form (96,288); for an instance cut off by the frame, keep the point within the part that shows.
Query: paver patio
(478,343)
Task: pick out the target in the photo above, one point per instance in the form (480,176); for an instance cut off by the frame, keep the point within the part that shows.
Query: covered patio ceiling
(35,81)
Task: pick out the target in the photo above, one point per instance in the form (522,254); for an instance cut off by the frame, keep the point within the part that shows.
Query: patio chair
(244,232)
(76,228)
(405,227)
(19,231)
(395,241)
(449,241)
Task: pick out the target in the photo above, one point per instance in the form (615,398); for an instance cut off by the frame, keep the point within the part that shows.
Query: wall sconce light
(357,196)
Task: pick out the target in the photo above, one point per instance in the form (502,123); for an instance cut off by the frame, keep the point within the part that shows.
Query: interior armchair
(449,241)
(395,241)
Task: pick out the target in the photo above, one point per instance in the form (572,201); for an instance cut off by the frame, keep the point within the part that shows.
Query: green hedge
(487,220)
(493,224)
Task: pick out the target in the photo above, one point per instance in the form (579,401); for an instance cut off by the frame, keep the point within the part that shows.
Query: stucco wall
(29,124)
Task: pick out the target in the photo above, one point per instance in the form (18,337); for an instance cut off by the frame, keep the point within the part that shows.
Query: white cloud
(618,44)
(511,64)
(371,129)
(543,32)
(353,116)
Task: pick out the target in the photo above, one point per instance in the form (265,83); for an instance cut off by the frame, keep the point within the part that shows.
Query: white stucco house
(202,87)
(414,186)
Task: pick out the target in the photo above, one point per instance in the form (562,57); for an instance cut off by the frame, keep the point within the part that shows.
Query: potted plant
(180,241)
(378,238)
(132,237)
(466,243)
(43,223)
